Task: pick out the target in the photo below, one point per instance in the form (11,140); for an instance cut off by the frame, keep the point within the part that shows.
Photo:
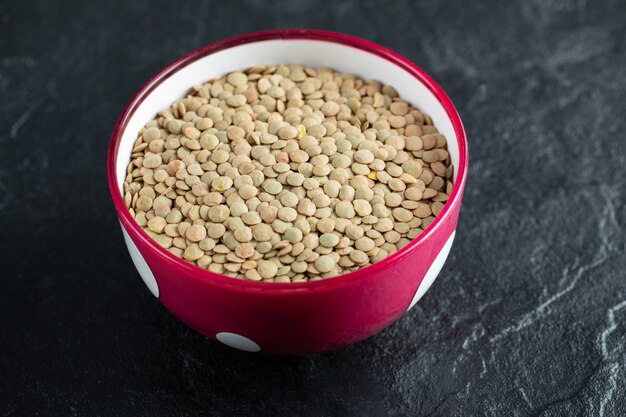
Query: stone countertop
(528,317)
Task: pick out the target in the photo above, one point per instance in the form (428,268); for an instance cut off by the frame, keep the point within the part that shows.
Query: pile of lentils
(287,174)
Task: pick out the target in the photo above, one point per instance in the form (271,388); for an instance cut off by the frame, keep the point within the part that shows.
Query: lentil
(288,174)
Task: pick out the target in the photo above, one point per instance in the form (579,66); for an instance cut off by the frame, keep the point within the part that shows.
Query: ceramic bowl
(305,317)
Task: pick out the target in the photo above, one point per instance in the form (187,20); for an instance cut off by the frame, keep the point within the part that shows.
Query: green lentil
(287,174)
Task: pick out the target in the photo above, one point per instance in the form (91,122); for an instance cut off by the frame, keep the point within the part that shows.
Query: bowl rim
(208,277)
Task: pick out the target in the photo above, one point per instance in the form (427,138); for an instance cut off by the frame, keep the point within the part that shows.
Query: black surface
(528,317)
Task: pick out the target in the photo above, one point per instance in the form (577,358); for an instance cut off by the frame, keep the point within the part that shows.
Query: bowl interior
(315,53)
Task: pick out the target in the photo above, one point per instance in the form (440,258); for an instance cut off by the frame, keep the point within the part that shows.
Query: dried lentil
(288,174)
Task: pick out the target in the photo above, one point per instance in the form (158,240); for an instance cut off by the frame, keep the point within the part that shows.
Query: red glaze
(302,317)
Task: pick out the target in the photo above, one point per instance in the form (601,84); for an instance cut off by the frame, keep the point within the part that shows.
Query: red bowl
(302,317)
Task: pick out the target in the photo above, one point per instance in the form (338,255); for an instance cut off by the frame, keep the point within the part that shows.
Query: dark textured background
(528,317)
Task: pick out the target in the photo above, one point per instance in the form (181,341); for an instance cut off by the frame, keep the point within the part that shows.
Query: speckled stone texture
(528,317)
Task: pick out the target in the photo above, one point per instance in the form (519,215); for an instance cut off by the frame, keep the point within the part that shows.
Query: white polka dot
(141,265)
(433,271)
(238,342)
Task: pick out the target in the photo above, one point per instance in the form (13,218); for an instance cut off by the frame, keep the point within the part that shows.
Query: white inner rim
(271,52)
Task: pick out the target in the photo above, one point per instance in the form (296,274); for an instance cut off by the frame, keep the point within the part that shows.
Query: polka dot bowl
(295,318)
